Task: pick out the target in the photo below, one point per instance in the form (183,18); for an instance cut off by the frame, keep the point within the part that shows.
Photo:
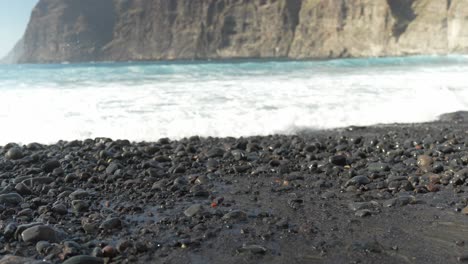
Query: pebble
(338,160)
(78,195)
(11,199)
(199,191)
(60,209)
(254,249)
(84,259)
(215,152)
(22,189)
(193,210)
(40,233)
(358,180)
(363,213)
(80,205)
(236,215)
(242,168)
(14,153)
(112,223)
(109,251)
(357,206)
(42,247)
(112,168)
(50,165)
(400,201)
(424,161)
(378,167)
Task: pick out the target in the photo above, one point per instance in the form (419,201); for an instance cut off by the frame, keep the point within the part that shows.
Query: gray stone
(363,213)
(42,247)
(112,167)
(78,195)
(358,180)
(236,215)
(193,210)
(255,249)
(14,153)
(356,206)
(215,152)
(80,205)
(112,223)
(11,199)
(377,167)
(41,233)
(21,188)
(50,165)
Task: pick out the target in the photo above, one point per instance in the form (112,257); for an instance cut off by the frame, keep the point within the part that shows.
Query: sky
(14,17)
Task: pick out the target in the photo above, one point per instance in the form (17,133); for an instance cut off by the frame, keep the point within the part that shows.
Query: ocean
(145,101)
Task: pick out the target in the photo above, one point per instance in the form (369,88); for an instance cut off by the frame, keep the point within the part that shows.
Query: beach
(379,194)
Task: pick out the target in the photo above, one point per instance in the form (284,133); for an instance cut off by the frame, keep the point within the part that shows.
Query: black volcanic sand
(383,194)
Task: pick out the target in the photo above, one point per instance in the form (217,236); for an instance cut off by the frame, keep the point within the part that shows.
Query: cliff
(121,30)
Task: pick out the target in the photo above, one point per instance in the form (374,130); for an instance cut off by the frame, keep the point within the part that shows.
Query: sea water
(151,100)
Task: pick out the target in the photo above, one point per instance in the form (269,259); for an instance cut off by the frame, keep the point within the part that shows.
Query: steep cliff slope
(89,30)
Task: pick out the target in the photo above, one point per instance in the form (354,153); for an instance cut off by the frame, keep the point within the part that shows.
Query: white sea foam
(145,102)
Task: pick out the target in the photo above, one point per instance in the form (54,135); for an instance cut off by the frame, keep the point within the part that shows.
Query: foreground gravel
(383,194)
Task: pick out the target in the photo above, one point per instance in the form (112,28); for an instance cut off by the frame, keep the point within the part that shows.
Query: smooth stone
(193,210)
(363,213)
(42,247)
(199,191)
(424,161)
(112,223)
(70,178)
(358,180)
(23,227)
(255,249)
(356,206)
(14,153)
(236,215)
(377,167)
(112,168)
(109,251)
(338,160)
(400,201)
(78,195)
(215,152)
(9,230)
(71,248)
(11,199)
(50,165)
(89,228)
(242,168)
(40,233)
(60,209)
(21,188)
(84,259)
(80,205)
(160,185)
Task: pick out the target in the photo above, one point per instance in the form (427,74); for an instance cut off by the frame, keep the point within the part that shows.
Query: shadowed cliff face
(89,30)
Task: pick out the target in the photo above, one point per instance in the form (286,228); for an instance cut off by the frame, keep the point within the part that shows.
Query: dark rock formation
(121,30)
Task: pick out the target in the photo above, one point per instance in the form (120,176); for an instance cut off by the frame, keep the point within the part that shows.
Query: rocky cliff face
(90,30)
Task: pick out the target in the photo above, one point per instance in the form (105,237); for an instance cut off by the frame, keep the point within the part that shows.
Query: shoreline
(380,194)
